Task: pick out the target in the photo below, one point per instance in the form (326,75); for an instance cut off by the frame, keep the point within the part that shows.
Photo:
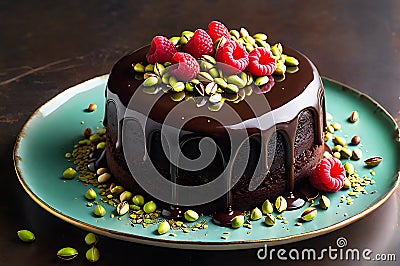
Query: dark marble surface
(48,46)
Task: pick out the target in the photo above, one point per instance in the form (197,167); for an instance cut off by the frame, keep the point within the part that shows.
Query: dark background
(47,46)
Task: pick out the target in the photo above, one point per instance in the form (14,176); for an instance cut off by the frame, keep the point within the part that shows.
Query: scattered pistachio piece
(337,155)
(148,75)
(354,116)
(117,190)
(346,153)
(101,145)
(150,81)
(269,219)
(330,129)
(159,69)
(261,80)
(373,161)
(99,211)
(340,141)
(349,168)
(280,204)
(372,172)
(90,194)
(237,221)
(178,86)
(93,254)
(209,59)
(260,36)
(26,236)
(235,79)
(347,184)
(95,138)
(149,68)
(221,82)
(205,77)
(232,88)
(243,32)
(337,148)
(122,208)
(267,207)
(191,216)
(178,96)
(125,196)
(215,98)
(163,227)
(328,136)
(103,177)
(336,126)
(138,200)
(69,173)
(175,40)
(67,253)
(256,214)
(101,171)
(280,69)
(324,202)
(309,214)
(91,239)
(138,67)
(291,61)
(276,49)
(357,154)
(235,33)
(149,207)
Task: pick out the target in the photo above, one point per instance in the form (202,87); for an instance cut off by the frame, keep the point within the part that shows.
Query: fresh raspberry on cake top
(216,30)
(200,44)
(234,55)
(261,62)
(161,50)
(184,66)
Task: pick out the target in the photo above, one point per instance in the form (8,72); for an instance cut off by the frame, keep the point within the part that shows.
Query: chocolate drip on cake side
(174,211)
(289,134)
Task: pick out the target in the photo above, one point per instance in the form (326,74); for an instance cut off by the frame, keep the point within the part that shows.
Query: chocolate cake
(289,147)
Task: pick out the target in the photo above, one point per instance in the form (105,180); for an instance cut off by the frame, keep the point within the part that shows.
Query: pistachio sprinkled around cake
(144,212)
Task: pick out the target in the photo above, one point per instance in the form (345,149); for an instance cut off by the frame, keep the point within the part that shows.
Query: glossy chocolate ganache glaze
(284,127)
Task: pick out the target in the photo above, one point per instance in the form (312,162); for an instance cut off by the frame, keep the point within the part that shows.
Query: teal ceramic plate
(53,128)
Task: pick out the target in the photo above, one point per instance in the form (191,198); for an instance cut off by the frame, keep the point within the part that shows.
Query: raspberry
(261,62)
(328,175)
(200,44)
(161,50)
(233,54)
(216,30)
(185,66)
